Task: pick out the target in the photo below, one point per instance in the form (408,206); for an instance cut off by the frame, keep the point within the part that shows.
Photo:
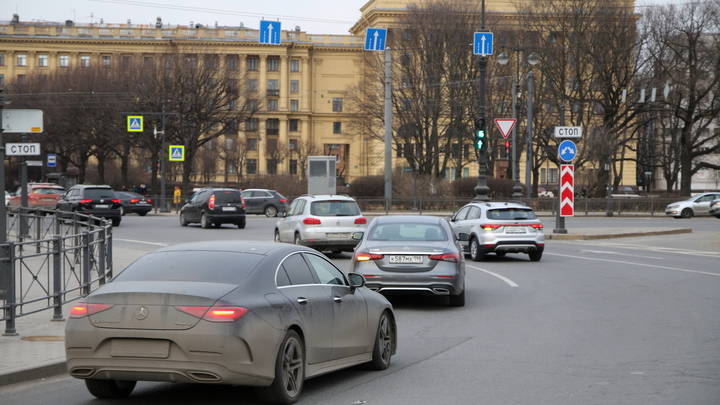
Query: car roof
(507,204)
(328,197)
(237,246)
(405,219)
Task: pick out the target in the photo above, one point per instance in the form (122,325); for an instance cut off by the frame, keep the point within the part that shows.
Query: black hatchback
(97,200)
(214,207)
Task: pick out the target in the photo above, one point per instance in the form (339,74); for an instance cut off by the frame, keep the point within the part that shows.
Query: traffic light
(480,137)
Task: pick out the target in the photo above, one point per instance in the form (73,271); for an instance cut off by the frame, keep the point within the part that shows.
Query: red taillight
(360,221)
(536,226)
(134,201)
(215,314)
(211,203)
(282,200)
(490,227)
(82,309)
(85,201)
(115,201)
(148,201)
(33,197)
(446,257)
(365,256)
(311,221)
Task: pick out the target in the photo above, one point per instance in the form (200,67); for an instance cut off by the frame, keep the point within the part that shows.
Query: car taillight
(148,201)
(360,221)
(134,201)
(82,309)
(311,221)
(115,201)
(490,227)
(282,200)
(211,203)
(446,257)
(215,314)
(243,202)
(85,201)
(536,226)
(365,256)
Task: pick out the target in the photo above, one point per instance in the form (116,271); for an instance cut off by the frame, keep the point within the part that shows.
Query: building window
(232,63)
(212,62)
(85,61)
(191,62)
(232,86)
(252,104)
(273,64)
(548,176)
(253,63)
(252,144)
(21,59)
(293,166)
(42,60)
(295,65)
(126,61)
(337,104)
(294,105)
(406,104)
(271,167)
(252,84)
(169,62)
(230,167)
(233,105)
(21,80)
(337,127)
(251,166)
(65,61)
(273,88)
(272,104)
(2,59)
(106,61)
(231,126)
(2,80)
(294,86)
(272,126)
(294,125)
(252,125)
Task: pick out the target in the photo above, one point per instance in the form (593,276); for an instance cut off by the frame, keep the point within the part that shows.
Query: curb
(34,373)
(557,236)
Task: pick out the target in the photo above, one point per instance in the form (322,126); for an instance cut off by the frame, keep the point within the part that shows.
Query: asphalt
(37,351)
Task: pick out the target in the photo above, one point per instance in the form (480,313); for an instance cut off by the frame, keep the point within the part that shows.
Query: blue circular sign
(567,150)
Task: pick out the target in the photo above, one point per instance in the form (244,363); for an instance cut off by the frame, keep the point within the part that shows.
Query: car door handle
(337,299)
(302,300)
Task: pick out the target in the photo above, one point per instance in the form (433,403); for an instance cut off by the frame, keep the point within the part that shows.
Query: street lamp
(503,59)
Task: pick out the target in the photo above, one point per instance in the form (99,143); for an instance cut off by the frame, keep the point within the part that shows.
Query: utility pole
(481,190)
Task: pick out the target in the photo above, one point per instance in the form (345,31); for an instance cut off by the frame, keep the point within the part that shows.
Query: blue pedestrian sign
(567,150)
(135,123)
(176,153)
(270,32)
(483,43)
(375,39)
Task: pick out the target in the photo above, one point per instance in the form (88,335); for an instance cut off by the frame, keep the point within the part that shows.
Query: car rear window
(227,197)
(46,191)
(336,208)
(202,266)
(98,193)
(408,232)
(511,214)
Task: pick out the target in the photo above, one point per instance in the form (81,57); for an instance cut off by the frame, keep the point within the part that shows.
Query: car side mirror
(463,237)
(358,235)
(356,280)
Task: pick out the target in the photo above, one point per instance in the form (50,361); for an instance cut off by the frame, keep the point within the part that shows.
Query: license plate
(102,205)
(229,209)
(515,229)
(140,348)
(406,259)
(338,235)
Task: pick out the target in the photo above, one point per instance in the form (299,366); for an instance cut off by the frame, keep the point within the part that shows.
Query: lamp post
(503,59)
(481,189)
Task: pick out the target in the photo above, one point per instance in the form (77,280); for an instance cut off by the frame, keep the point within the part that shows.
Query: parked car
(257,314)
(323,222)
(412,253)
(214,207)
(262,201)
(499,228)
(694,206)
(134,203)
(714,209)
(40,196)
(543,192)
(97,200)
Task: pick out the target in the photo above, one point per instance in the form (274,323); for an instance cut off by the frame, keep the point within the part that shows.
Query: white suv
(500,228)
(323,222)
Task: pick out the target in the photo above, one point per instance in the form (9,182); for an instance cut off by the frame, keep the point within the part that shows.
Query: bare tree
(302,151)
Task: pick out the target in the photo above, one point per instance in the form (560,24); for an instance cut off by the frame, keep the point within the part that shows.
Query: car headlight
(671,206)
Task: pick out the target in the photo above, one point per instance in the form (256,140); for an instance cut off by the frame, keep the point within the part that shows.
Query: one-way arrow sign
(375,39)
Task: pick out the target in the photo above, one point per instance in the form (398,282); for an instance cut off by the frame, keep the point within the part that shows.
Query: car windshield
(408,232)
(200,266)
(227,197)
(336,208)
(511,214)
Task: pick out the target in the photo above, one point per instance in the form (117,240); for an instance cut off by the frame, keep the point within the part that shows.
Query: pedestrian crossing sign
(177,153)
(135,123)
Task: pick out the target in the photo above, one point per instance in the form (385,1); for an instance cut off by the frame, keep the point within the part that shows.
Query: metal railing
(49,261)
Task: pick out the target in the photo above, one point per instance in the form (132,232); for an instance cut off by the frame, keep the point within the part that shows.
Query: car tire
(241,225)
(686,213)
(204,222)
(115,221)
(383,347)
(475,253)
(110,389)
(298,240)
(271,211)
(183,219)
(500,254)
(535,256)
(122,210)
(142,214)
(277,236)
(458,300)
(289,372)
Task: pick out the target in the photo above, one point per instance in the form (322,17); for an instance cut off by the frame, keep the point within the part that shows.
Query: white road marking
(503,278)
(635,264)
(142,242)
(652,248)
(621,254)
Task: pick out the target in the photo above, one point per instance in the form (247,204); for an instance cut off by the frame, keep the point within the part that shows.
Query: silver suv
(323,222)
(500,228)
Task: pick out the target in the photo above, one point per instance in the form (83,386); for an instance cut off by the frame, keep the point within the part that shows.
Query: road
(611,321)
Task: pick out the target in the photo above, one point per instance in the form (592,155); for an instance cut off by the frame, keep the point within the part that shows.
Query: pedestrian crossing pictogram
(177,153)
(134,123)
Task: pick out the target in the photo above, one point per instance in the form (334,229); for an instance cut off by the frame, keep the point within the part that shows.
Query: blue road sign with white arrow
(567,150)
(375,39)
(483,43)
(270,32)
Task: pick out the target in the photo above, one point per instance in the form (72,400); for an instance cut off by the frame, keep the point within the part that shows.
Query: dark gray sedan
(412,253)
(134,203)
(267,315)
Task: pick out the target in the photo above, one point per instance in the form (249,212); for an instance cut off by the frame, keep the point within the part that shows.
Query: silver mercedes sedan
(412,253)
(267,315)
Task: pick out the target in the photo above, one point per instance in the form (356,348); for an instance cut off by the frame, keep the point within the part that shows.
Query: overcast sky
(313,16)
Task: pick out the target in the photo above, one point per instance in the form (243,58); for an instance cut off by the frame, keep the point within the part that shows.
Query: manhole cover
(44,338)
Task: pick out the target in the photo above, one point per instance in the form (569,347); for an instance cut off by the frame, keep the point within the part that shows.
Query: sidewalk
(38,351)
